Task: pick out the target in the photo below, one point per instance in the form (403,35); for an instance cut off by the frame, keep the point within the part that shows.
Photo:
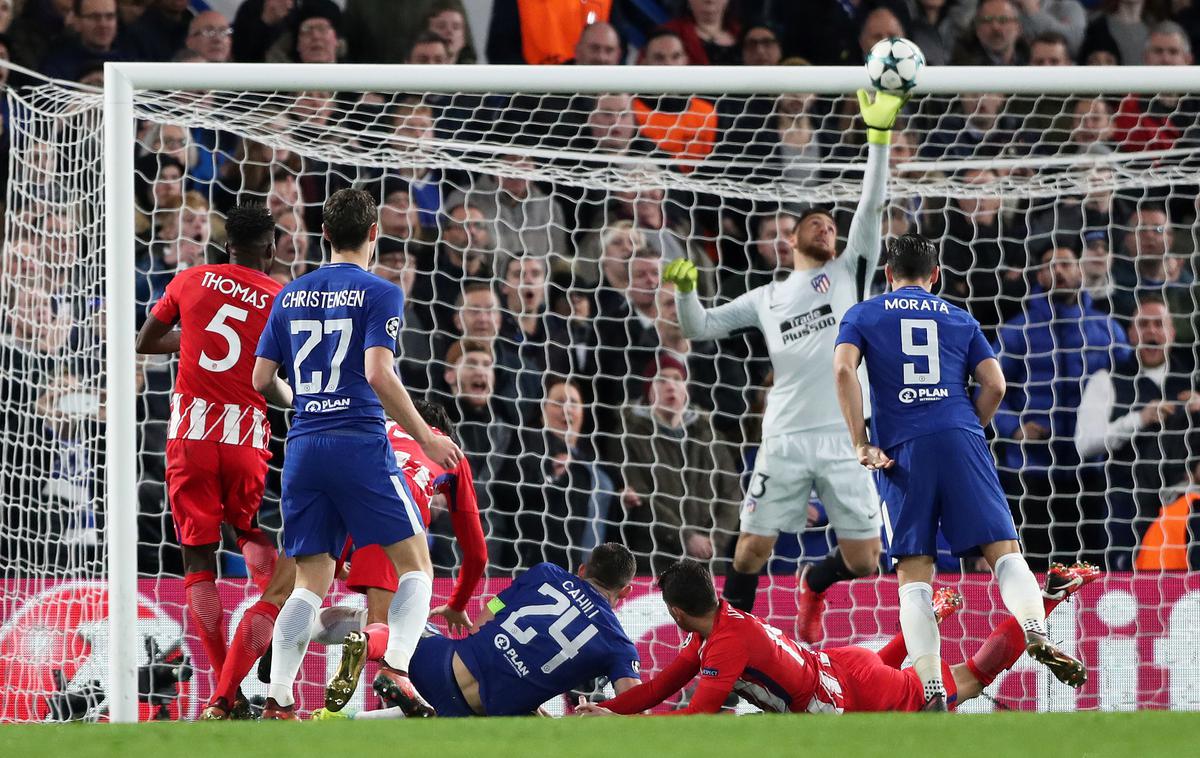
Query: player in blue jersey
(548,632)
(334,334)
(930,454)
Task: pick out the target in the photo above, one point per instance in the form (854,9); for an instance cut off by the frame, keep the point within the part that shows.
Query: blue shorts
(432,673)
(339,484)
(947,479)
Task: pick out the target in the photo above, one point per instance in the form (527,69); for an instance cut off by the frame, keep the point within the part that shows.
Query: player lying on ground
(335,330)
(803,446)
(549,632)
(363,632)
(218,434)
(736,652)
(933,465)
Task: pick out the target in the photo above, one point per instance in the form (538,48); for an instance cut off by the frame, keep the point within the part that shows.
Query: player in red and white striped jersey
(735,652)
(371,572)
(218,434)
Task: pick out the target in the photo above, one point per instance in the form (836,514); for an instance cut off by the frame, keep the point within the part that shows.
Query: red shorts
(870,685)
(211,482)
(370,568)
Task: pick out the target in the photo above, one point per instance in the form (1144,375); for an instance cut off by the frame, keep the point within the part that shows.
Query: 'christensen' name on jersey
(317,299)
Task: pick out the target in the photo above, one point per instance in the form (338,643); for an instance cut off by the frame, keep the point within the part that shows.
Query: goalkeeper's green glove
(880,115)
(682,273)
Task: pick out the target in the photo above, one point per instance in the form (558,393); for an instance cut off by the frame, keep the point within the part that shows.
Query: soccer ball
(893,65)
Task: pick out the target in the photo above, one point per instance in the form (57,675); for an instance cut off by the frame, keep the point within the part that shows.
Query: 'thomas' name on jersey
(799,317)
(320,328)
(552,631)
(221,310)
(920,352)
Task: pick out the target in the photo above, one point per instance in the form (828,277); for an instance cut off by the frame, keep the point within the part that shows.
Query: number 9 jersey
(552,631)
(920,352)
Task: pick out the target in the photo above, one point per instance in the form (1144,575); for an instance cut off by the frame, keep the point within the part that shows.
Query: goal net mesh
(529,231)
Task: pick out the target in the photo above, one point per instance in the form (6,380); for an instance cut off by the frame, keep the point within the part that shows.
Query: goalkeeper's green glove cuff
(879,136)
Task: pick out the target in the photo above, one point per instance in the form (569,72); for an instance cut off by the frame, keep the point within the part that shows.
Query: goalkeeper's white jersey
(800,315)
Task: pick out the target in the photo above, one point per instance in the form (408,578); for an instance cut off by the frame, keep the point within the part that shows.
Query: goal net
(528,231)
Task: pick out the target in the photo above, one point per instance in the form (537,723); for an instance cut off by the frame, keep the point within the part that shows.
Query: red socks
(377,640)
(260,557)
(207,615)
(1002,648)
(250,641)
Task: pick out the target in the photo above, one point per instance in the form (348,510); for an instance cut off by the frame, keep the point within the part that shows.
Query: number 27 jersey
(552,631)
(920,352)
(319,330)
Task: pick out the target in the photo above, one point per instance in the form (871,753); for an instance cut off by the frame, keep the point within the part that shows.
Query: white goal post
(123,81)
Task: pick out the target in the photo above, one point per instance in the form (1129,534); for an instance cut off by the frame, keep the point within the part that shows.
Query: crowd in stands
(536,313)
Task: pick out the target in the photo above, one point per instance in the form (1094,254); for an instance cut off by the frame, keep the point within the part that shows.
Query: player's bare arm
(379,367)
(991,389)
(849,390)
(157,338)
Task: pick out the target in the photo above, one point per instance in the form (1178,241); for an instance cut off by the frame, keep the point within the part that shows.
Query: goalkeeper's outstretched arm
(700,323)
(865,239)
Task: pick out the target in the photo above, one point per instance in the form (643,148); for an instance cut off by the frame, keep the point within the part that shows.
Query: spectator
(1162,121)
(564,496)
(463,255)
(997,38)
(979,126)
(161,31)
(1096,265)
(128,10)
(983,266)
(769,255)
(1072,216)
(448,21)
(398,265)
(478,317)
(258,26)
(937,26)
(1064,18)
(376,33)
(878,25)
(211,37)
(488,429)
(1149,266)
(36,28)
(760,46)
(316,38)
(1172,540)
(429,49)
(709,30)
(1046,353)
(92,41)
(824,33)
(1138,418)
(599,45)
(603,259)
(1049,49)
(291,248)
(684,128)
(539,33)
(413,122)
(680,485)
(626,330)
(1120,31)
(539,336)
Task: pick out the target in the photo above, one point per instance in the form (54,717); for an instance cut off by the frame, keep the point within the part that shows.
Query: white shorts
(790,466)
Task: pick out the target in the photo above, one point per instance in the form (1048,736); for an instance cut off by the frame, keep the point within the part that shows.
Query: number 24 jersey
(920,352)
(552,631)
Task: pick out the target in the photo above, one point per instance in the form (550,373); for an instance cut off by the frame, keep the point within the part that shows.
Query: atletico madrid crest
(821,282)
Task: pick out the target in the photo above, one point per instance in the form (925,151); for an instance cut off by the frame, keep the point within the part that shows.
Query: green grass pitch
(1065,735)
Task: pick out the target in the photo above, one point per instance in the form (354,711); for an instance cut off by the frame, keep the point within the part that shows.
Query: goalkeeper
(804,445)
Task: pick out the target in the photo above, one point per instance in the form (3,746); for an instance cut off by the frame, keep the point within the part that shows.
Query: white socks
(921,637)
(406,618)
(1020,592)
(289,641)
(335,622)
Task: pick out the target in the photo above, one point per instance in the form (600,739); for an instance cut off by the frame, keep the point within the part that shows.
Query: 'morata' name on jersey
(320,328)
(920,352)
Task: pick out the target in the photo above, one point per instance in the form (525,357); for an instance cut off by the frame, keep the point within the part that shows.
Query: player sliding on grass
(217,438)
(363,632)
(933,465)
(804,447)
(733,651)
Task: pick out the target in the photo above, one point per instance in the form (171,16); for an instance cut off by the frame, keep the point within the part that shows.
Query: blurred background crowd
(535,309)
